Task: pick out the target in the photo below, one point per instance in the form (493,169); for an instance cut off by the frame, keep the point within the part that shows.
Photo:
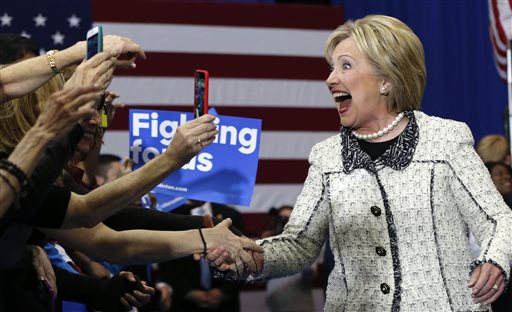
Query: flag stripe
(240,66)
(234,14)
(222,39)
(272,195)
(274,119)
(224,92)
(499,27)
(500,31)
(274,144)
(287,171)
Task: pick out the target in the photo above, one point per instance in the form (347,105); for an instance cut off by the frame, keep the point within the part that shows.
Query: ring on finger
(495,287)
(199,141)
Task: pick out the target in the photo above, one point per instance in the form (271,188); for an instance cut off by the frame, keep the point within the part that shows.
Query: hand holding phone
(95,46)
(200,92)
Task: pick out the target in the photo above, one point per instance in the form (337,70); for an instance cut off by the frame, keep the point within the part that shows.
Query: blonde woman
(396,189)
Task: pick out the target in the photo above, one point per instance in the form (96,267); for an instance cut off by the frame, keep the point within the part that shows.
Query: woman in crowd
(396,189)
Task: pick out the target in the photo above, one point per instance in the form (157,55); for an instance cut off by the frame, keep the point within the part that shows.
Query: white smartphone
(94,41)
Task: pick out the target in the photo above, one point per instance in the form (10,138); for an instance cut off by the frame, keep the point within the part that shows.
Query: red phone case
(201,72)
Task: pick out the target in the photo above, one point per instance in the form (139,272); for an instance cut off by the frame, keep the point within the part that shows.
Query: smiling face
(356,89)
(90,127)
(501,177)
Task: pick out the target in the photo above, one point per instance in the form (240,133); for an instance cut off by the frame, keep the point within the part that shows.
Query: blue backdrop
(462,81)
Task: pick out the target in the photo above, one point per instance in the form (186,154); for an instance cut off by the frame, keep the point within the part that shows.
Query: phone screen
(94,41)
(92,46)
(200,93)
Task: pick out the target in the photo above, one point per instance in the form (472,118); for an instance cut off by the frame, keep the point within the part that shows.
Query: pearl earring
(383,90)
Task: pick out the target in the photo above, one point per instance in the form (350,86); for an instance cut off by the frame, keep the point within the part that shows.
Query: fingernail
(133,65)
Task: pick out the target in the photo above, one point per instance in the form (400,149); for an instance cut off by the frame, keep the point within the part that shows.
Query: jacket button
(384,288)
(375,211)
(380,251)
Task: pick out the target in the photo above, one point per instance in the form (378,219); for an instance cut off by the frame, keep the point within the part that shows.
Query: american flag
(500,31)
(265,61)
(52,24)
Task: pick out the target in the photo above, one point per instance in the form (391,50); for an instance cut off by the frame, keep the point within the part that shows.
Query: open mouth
(341,96)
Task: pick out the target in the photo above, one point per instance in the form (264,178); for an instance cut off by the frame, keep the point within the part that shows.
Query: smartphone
(94,41)
(200,92)
(95,46)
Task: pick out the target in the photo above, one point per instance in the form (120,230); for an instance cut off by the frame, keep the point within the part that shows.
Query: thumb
(474,276)
(248,243)
(225,223)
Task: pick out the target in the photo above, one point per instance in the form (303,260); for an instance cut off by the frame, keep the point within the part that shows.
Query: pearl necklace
(382,132)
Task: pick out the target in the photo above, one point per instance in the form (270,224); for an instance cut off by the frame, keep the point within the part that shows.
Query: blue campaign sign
(224,172)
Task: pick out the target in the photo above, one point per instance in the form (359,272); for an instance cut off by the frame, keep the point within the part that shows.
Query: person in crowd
(396,189)
(495,148)
(16,48)
(111,167)
(292,293)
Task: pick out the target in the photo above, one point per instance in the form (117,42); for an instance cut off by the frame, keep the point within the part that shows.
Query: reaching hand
(98,70)
(137,298)
(238,251)
(39,260)
(487,283)
(64,108)
(110,105)
(192,137)
(126,167)
(123,47)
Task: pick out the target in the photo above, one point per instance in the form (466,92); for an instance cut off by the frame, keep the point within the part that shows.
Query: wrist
(73,54)
(39,134)
(170,159)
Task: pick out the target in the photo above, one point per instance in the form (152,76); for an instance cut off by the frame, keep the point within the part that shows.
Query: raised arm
(89,210)
(143,246)
(26,76)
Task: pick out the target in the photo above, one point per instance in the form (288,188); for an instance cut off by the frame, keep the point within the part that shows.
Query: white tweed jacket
(398,225)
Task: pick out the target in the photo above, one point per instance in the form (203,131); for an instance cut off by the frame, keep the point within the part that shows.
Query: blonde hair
(395,53)
(18,115)
(493,147)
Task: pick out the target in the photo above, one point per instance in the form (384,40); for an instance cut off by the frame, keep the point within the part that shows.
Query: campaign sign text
(224,172)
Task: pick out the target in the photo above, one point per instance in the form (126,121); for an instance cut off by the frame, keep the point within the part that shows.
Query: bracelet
(18,173)
(51,61)
(9,184)
(204,242)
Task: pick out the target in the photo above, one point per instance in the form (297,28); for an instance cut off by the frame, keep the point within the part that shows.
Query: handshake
(234,257)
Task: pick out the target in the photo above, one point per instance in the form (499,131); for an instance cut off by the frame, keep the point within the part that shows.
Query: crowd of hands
(236,257)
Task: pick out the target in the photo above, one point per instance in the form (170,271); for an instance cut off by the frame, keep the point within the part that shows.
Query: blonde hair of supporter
(18,115)
(395,53)
(493,147)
